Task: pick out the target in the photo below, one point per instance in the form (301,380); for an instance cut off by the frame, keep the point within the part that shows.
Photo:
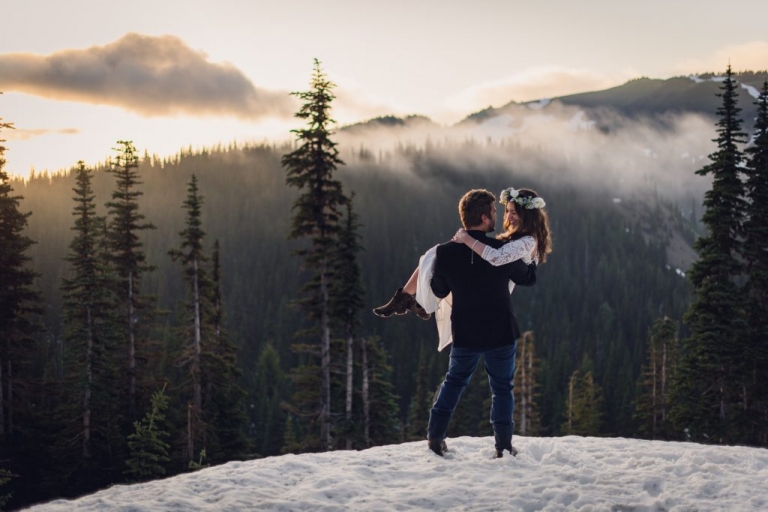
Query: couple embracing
(467,283)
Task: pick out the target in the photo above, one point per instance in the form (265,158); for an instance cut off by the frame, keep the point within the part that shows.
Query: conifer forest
(160,315)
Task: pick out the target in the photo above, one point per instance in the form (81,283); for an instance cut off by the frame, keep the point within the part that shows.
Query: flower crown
(529,203)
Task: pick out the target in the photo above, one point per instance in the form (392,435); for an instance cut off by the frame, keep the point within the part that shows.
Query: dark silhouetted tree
(129,262)
(756,258)
(316,213)
(710,389)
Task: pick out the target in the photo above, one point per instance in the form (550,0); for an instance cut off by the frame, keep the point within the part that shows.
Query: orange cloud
(742,57)
(539,83)
(25,134)
(149,75)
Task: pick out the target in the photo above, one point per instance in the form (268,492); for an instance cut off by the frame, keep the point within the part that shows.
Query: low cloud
(751,56)
(26,134)
(548,82)
(596,149)
(149,75)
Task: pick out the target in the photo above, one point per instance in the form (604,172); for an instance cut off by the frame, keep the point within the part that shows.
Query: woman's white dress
(520,249)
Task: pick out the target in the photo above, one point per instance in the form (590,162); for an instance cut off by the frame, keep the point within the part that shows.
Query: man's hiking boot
(438,446)
(500,453)
(400,304)
(503,437)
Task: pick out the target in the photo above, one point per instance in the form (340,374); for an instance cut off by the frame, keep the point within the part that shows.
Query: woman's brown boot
(397,305)
(414,306)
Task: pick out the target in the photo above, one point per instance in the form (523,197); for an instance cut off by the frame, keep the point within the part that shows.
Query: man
(483,322)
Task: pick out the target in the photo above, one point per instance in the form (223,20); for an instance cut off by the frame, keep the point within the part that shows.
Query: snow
(751,90)
(549,474)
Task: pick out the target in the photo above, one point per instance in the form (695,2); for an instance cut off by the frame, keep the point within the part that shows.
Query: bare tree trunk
(197,391)
(131,352)
(664,387)
(570,403)
(524,382)
(325,362)
(2,401)
(350,369)
(366,398)
(88,384)
(653,390)
(10,400)
(190,437)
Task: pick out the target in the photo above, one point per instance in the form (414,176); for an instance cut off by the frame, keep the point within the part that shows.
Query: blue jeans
(500,366)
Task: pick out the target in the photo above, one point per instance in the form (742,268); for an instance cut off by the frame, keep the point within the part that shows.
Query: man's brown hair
(473,205)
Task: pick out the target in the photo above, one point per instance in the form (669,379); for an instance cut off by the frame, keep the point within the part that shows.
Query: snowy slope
(567,473)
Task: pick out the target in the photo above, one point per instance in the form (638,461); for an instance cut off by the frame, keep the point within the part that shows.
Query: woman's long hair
(533,222)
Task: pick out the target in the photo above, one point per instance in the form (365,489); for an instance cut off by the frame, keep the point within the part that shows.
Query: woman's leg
(410,286)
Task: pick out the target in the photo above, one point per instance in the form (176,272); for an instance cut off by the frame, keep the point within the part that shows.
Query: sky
(549,474)
(78,76)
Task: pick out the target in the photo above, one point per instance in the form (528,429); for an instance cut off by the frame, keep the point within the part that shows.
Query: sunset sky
(79,75)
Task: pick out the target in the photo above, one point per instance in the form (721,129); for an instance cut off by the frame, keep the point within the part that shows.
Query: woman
(527,234)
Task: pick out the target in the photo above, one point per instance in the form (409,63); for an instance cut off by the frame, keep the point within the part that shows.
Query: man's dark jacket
(483,316)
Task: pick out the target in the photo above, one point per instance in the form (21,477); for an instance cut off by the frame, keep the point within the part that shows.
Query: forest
(605,303)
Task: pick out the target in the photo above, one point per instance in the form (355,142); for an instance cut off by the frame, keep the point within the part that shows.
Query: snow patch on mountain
(549,474)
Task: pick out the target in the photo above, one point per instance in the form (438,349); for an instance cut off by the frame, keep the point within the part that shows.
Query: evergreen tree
(148,448)
(19,304)
(526,414)
(310,168)
(225,397)
(347,300)
(756,258)
(382,422)
(709,397)
(267,417)
(129,261)
(652,402)
(302,434)
(584,404)
(192,260)
(91,385)
(421,401)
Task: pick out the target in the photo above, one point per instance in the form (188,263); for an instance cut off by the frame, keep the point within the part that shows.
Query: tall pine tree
(347,300)
(710,391)
(224,396)
(190,256)
(91,379)
(310,168)
(756,258)
(130,263)
(19,305)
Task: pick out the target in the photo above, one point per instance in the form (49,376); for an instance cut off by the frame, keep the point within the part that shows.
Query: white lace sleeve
(520,249)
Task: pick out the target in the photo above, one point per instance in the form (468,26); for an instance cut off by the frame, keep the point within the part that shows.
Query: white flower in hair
(529,203)
(508,194)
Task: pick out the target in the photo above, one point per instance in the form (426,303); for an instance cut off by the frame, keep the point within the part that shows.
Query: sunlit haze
(77,76)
